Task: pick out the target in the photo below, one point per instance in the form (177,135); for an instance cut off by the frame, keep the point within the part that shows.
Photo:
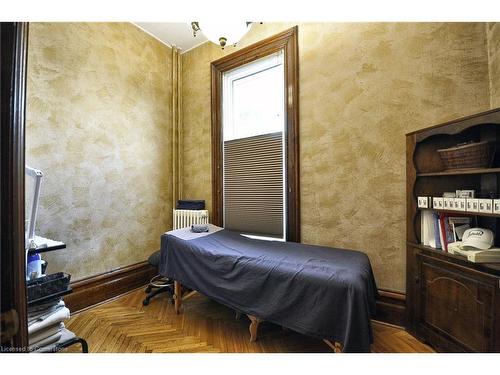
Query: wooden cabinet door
(456,305)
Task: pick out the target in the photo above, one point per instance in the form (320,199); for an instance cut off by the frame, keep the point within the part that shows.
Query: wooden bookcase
(452,304)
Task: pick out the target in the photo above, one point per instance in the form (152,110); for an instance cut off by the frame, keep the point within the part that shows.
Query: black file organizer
(49,288)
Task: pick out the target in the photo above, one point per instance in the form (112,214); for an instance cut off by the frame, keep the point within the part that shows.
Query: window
(253,151)
(253,101)
(255,139)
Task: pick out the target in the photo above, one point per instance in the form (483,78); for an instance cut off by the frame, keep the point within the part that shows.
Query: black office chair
(158,284)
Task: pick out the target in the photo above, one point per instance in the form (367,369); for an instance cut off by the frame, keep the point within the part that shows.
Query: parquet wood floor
(124,325)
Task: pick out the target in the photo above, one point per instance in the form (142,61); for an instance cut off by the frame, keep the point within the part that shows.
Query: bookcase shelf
(460,172)
(463,213)
(488,267)
(442,289)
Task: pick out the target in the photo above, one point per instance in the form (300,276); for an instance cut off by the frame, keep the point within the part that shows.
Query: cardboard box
(496,206)
(460,204)
(472,205)
(423,202)
(448,203)
(486,206)
(437,203)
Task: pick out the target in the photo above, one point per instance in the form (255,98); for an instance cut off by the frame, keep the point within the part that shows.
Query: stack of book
(439,229)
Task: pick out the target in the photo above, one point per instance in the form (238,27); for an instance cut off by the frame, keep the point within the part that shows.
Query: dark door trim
(288,41)
(13,64)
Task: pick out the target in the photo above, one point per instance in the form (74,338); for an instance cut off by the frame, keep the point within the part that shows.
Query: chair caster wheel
(145,302)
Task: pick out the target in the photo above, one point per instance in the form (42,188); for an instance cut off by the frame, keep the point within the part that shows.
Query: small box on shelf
(496,206)
(486,206)
(448,203)
(438,203)
(472,205)
(460,204)
(423,202)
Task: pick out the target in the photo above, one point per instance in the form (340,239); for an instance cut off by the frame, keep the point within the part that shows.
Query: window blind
(253,185)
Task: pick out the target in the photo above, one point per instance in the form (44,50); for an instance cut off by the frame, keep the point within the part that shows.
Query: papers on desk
(41,244)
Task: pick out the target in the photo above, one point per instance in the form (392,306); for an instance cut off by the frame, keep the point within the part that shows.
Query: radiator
(186,218)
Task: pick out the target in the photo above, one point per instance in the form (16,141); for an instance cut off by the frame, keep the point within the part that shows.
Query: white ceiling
(173,34)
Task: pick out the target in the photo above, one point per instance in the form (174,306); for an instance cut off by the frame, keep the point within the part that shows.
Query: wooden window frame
(288,42)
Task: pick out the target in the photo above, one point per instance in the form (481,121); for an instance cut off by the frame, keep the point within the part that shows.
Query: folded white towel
(56,317)
(65,336)
(44,333)
(47,341)
(44,314)
(35,310)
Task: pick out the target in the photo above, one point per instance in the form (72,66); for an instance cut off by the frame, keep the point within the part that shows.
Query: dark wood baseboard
(99,288)
(391,308)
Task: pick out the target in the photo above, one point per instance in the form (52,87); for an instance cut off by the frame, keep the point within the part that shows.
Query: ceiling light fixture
(222,33)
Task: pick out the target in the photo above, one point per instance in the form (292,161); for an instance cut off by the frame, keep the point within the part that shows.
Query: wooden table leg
(336,346)
(189,295)
(177,296)
(254,326)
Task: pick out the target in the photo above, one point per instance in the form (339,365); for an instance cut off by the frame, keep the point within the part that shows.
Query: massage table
(318,291)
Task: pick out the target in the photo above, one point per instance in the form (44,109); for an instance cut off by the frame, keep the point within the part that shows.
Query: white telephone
(491,255)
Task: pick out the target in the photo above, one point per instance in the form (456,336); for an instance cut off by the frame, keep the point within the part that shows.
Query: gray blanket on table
(319,291)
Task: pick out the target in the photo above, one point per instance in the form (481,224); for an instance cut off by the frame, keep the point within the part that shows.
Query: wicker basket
(470,155)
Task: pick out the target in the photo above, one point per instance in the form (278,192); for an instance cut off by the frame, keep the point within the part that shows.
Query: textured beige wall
(362,87)
(493,33)
(98,126)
